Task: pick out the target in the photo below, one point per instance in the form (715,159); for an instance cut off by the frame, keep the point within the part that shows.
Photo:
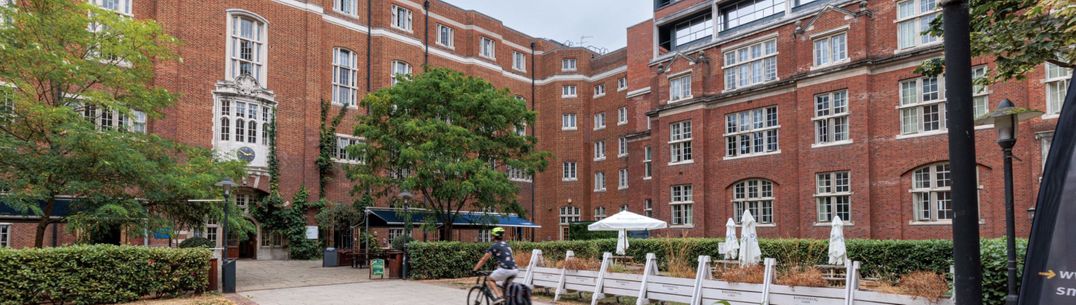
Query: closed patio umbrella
(732,246)
(624,221)
(749,252)
(838,254)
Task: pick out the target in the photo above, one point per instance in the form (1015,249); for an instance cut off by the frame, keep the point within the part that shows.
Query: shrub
(802,276)
(925,284)
(196,242)
(880,258)
(100,274)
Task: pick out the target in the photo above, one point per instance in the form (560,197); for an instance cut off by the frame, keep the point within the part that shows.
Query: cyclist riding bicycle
(506,265)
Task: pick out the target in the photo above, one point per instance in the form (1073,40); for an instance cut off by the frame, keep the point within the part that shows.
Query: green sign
(378,267)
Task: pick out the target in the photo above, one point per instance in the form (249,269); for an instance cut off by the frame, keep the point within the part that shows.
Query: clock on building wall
(245,154)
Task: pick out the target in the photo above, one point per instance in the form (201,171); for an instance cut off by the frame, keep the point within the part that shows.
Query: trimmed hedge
(880,258)
(100,274)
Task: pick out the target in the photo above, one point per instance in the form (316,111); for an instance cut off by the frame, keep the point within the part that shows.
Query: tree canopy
(1019,34)
(448,138)
(76,90)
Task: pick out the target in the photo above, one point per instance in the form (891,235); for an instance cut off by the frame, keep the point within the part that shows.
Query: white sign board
(311,232)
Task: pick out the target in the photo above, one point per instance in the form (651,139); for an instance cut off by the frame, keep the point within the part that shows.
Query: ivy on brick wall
(276,215)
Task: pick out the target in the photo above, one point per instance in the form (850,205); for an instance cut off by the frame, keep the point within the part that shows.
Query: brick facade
(881,162)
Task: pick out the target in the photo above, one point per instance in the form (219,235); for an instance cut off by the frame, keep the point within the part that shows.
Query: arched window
(247,47)
(240,129)
(932,198)
(225,129)
(344,79)
(755,195)
(265,133)
(252,131)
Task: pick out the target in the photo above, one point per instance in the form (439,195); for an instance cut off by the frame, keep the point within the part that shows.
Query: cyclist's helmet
(498,231)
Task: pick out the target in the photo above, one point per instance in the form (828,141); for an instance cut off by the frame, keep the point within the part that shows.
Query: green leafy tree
(446,137)
(74,77)
(1019,34)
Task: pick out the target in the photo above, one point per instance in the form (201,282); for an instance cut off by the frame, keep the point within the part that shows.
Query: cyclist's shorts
(500,275)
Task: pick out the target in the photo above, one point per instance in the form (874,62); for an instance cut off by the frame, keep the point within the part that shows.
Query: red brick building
(796,110)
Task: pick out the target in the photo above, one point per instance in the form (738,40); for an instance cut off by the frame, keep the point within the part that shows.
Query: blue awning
(62,208)
(392,217)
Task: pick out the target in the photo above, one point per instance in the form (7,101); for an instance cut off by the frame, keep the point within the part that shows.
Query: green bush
(880,258)
(100,274)
(196,242)
(579,231)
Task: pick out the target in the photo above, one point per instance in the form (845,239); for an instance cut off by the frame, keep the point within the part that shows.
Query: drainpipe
(426,39)
(534,213)
(369,47)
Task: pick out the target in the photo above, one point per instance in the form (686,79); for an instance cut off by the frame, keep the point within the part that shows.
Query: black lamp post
(407,229)
(1006,118)
(227,282)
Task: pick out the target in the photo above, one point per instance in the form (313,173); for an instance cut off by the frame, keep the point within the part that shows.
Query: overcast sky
(605,20)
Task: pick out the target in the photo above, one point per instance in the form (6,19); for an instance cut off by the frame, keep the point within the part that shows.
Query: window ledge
(452,47)
(569,180)
(573,128)
(519,70)
(830,224)
(648,178)
(919,47)
(687,226)
(621,123)
(938,223)
(682,162)
(493,58)
(761,225)
(599,159)
(342,161)
(599,128)
(987,126)
(568,96)
(836,143)
(829,65)
(679,100)
(621,188)
(599,95)
(1050,116)
(621,89)
(922,134)
(403,29)
(621,155)
(600,191)
(776,152)
(751,85)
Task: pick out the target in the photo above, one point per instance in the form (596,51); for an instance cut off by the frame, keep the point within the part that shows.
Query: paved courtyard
(261,275)
(380,292)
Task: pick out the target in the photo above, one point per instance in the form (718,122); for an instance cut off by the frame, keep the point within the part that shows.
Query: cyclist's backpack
(518,294)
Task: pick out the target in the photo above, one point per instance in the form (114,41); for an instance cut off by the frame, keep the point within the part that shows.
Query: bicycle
(481,291)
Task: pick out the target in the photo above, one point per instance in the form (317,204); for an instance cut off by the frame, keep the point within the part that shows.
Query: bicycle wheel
(476,296)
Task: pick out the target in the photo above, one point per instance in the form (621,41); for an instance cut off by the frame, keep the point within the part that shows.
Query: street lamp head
(406,195)
(227,184)
(1005,118)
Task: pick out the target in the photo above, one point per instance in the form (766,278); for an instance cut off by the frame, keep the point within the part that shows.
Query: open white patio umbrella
(838,254)
(623,222)
(749,252)
(732,246)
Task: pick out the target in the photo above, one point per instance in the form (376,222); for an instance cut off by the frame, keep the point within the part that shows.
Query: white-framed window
(567,91)
(599,150)
(567,64)
(831,49)
(401,18)
(599,213)
(567,121)
(342,154)
(746,11)
(394,233)
(696,28)
(932,199)
(622,115)
(680,88)
(569,171)
(648,207)
(346,7)
(399,67)
(519,61)
(247,48)
(599,181)
(833,196)
(681,204)
(622,147)
(568,215)
(622,84)
(487,48)
(518,175)
(1057,83)
(240,121)
(622,179)
(5,235)
(484,236)
(751,65)
(980,93)
(243,201)
(752,132)
(648,169)
(755,195)
(831,117)
(599,90)
(445,36)
(107,119)
(922,105)
(211,233)
(913,18)
(345,80)
(680,142)
(119,6)
(599,121)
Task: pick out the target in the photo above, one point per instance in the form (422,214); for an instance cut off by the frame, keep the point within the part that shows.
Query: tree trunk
(446,231)
(43,224)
